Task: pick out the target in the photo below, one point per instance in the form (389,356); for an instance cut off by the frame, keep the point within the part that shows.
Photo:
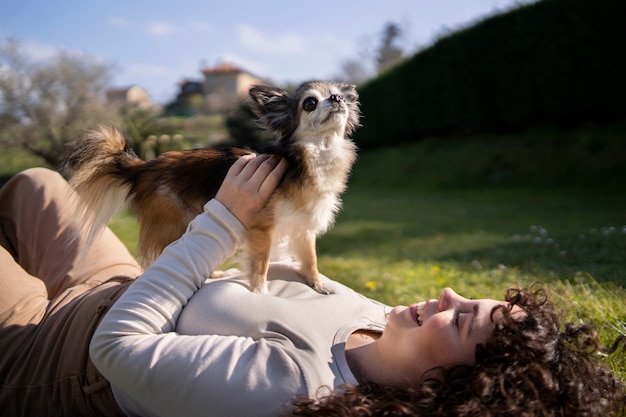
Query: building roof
(222,68)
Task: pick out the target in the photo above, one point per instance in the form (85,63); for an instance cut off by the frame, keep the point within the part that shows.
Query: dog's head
(316,107)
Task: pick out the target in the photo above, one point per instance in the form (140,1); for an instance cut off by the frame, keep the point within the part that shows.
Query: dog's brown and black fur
(312,128)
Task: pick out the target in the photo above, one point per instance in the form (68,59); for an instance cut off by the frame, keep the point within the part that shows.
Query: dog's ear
(349,92)
(274,107)
(352,100)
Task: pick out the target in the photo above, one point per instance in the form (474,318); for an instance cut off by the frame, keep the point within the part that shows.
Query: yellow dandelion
(371,285)
(435,269)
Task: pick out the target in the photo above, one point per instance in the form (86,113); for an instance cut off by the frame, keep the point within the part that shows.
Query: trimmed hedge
(552,62)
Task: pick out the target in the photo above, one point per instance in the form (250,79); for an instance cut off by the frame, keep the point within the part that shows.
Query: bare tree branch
(388,53)
(43,105)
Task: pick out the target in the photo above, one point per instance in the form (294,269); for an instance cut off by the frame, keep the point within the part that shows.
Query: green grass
(479,216)
(593,156)
(401,246)
(13,160)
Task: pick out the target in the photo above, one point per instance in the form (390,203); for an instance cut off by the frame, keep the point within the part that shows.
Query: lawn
(401,246)
(479,216)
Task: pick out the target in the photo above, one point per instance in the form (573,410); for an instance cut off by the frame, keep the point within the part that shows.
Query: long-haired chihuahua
(312,128)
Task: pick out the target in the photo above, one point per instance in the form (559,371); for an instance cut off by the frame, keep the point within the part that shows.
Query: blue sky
(157,43)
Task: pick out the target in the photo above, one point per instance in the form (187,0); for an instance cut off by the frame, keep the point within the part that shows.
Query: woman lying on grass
(79,335)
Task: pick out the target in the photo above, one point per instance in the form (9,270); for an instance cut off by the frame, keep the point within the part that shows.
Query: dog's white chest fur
(313,217)
(314,209)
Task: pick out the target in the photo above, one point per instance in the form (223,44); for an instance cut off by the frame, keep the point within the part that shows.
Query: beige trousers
(53,292)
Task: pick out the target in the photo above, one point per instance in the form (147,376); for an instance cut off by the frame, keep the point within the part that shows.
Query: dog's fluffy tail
(96,166)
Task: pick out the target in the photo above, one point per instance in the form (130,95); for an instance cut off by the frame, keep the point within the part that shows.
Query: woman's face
(435,333)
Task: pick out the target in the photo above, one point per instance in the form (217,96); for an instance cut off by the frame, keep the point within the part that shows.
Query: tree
(44,104)
(388,53)
(372,60)
(353,71)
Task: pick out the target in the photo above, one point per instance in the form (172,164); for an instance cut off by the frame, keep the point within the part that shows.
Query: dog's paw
(318,287)
(218,273)
(259,289)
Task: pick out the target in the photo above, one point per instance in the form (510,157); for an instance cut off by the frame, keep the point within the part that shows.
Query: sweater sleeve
(155,371)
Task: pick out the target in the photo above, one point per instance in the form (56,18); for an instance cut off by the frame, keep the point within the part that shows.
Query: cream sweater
(177,344)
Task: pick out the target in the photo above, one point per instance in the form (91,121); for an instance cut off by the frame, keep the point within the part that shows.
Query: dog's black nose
(336,98)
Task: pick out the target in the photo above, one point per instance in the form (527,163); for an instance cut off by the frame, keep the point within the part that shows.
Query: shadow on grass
(548,235)
(602,257)
(602,260)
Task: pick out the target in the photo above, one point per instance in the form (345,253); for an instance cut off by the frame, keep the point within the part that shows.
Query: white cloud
(37,50)
(254,39)
(118,21)
(160,28)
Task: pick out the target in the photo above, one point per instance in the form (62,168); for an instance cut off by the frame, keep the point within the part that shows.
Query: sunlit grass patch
(14,159)
(401,246)
(126,228)
(404,246)
(584,300)
(580,299)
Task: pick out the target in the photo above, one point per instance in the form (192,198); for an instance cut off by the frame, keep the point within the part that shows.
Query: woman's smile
(417,312)
(439,332)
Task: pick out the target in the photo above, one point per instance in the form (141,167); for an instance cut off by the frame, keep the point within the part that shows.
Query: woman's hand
(249,183)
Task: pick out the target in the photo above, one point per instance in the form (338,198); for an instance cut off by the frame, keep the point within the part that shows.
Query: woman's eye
(309,104)
(456,318)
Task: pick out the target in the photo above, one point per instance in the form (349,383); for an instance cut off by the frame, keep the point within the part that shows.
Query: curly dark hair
(530,366)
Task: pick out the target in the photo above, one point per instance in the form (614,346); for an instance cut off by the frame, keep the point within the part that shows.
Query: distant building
(134,97)
(222,89)
(225,86)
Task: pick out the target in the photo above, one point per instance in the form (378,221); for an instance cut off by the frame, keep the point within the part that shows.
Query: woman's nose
(448,299)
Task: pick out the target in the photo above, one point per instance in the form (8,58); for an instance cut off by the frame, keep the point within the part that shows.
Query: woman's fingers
(272,180)
(260,169)
(238,166)
(249,183)
(250,165)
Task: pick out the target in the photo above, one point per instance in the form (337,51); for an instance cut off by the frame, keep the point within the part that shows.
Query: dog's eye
(309,104)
